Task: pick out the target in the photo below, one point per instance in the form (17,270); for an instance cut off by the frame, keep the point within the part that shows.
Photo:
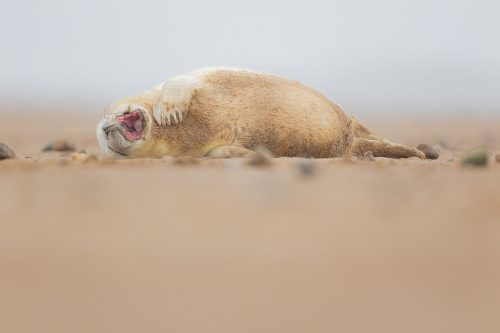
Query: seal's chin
(132,124)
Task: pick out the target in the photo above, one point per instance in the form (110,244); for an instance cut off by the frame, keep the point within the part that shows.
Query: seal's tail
(365,140)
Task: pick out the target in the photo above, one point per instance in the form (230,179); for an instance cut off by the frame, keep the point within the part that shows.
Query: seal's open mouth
(131,124)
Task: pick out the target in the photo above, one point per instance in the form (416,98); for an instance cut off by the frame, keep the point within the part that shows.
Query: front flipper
(175,98)
(229,152)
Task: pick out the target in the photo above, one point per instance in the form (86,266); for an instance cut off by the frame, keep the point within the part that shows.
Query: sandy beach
(185,245)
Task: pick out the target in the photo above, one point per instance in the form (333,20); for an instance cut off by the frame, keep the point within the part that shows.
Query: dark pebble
(306,167)
(6,152)
(60,145)
(477,158)
(430,152)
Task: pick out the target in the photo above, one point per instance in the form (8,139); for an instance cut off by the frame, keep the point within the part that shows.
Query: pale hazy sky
(396,55)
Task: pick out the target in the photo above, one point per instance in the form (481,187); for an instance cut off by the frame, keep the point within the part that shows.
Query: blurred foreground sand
(220,246)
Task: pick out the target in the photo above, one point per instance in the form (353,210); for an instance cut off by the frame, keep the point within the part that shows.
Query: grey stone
(60,145)
(476,158)
(429,151)
(6,152)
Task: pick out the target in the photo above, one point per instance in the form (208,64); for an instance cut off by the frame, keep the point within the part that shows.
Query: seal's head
(125,130)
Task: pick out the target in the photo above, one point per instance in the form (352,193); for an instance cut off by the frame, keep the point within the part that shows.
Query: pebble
(429,151)
(368,156)
(497,158)
(476,157)
(60,145)
(83,157)
(261,157)
(306,167)
(6,152)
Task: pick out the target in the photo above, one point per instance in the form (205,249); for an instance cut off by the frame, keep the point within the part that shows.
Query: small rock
(368,156)
(261,157)
(497,158)
(6,152)
(477,158)
(83,157)
(306,167)
(430,152)
(60,145)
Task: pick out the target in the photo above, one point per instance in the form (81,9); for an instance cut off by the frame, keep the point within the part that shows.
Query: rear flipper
(365,140)
(383,148)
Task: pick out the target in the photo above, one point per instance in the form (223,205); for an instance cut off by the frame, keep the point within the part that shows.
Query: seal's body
(228,112)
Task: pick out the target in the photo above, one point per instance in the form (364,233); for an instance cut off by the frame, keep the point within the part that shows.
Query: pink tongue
(133,125)
(138,125)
